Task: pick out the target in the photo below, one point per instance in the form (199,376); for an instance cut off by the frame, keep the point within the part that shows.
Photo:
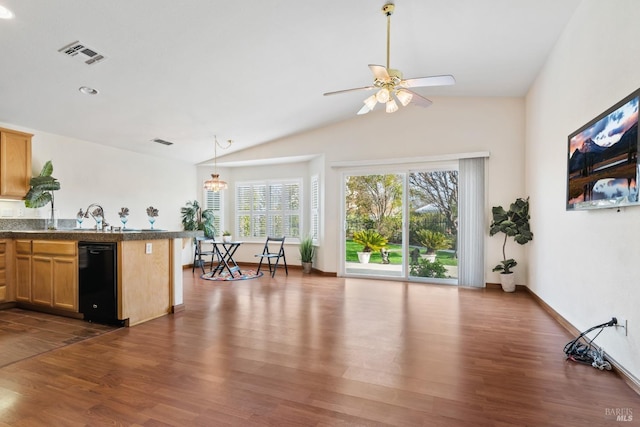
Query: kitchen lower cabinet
(47,273)
(23,270)
(3,271)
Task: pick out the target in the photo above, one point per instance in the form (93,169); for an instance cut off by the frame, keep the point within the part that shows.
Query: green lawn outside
(395,254)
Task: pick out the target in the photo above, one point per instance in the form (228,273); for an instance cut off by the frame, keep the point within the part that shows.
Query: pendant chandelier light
(215,184)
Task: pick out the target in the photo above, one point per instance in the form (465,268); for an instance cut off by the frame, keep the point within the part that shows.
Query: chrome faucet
(98,216)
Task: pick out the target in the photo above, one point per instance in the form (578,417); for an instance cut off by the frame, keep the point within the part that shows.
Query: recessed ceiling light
(5,13)
(88,90)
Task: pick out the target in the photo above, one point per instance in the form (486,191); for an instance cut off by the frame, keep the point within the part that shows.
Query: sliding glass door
(374,221)
(402,224)
(433,225)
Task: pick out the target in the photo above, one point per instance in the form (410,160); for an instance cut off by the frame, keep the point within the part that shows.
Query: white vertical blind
(315,208)
(471,222)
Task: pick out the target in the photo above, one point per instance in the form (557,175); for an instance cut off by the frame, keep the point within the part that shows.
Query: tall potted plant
(512,223)
(41,192)
(307,251)
(371,241)
(194,218)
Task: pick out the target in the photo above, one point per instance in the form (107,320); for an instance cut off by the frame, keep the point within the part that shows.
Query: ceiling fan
(391,86)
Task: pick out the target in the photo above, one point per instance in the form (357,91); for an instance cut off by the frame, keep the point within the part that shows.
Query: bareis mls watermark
(619,414)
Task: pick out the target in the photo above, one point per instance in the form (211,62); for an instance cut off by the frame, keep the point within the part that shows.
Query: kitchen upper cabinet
(47,273)
(15,163)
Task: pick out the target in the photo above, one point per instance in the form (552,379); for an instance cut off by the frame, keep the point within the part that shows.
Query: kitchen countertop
(97,236)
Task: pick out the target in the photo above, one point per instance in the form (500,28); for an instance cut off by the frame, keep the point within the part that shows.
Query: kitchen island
(41,271)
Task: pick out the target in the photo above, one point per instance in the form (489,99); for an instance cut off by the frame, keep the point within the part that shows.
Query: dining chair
(273,250)
(199,254)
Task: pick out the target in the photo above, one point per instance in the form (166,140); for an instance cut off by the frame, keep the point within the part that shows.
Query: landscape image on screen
(603,160)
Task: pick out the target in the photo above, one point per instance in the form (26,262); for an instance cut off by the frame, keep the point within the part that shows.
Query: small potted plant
(434,241)
(307,251)
(371,241)
(226,236)
(512,223)
(124,217)
(152,215)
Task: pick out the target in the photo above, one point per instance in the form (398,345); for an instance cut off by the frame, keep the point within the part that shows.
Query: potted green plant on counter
(371,241)
(307,251)
(41,192)
(512,223)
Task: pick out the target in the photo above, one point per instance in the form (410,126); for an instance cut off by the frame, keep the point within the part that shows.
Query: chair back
(272,247)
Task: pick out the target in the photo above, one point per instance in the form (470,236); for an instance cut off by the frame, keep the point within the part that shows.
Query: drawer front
(53,247)
(23,247)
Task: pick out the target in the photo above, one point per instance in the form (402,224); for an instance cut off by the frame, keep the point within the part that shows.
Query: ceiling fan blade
(349,90)
(419,100)
(443,80)
(379,72)
(363,110)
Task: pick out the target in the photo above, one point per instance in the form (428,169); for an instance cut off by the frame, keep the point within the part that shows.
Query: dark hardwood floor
(305,350)
(25,334)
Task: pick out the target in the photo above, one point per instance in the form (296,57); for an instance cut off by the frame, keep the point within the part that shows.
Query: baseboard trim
(178,308)
(627,377)
(49,310)
(499,286)
(254,265)
(8,305)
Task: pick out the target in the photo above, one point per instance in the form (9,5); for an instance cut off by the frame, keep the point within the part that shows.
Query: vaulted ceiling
(251,71)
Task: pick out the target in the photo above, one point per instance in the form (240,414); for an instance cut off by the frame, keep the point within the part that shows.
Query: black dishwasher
(98,285)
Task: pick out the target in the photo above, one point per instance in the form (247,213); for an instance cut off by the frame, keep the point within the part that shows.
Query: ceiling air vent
(82,52)
(162,141)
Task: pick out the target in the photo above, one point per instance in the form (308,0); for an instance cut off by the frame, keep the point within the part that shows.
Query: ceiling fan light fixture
(404,97)
(383,95)
(371,102)
(392,107)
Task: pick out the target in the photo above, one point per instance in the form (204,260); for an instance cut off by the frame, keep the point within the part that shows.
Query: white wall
(449,126)
(114,178)
(583,264)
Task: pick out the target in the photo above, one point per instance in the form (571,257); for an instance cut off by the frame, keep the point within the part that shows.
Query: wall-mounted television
(602,167)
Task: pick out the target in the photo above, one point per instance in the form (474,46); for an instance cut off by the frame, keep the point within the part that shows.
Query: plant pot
(429,257)
(226,239)
(363,257)
(306,267)
(508,282)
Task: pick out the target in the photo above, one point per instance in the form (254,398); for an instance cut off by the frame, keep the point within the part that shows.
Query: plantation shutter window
(214,201)
(268,209)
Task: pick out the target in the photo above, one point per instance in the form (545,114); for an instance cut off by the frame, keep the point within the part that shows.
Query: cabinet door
(3,270)
(42,280)
(65,283)
(15,163)
(23,277)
